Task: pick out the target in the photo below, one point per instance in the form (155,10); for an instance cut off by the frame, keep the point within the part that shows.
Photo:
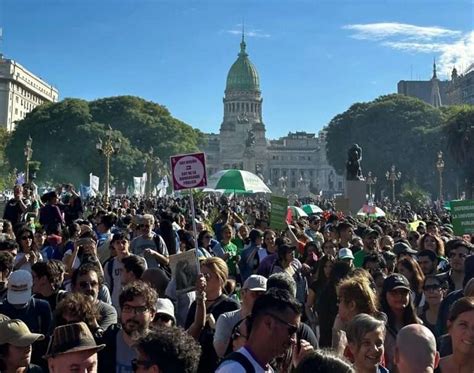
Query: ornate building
(295,163)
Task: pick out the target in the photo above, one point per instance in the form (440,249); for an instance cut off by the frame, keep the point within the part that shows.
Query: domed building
(293,164)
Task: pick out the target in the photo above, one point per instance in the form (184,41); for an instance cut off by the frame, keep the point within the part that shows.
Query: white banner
(94,183)
(137,181)
(143,184)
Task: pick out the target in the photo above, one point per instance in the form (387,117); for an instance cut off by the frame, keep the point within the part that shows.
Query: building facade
(293,164)
(457,91)
(20,92)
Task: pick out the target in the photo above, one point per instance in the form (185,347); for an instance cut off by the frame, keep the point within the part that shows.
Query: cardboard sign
(188,171)
(184,270)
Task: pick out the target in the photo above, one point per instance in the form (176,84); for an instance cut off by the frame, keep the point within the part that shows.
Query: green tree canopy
(459,129)
(392,129)
(65,135)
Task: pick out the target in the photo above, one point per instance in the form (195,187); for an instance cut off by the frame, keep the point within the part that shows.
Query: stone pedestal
(355,194)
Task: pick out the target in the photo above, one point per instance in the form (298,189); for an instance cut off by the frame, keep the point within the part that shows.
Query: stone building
(459,90)
(20,92)
(295,163)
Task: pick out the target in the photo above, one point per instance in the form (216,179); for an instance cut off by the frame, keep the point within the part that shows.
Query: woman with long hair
(410,268)
(210,303)
(461,330)
(355,295)
(327,304)
(268,245)
(434,243)
(204,243)
(316,286)
(28,254)
(434,290)
(286,262)
(398,306)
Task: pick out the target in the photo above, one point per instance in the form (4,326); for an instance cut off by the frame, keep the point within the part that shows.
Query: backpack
(241,359)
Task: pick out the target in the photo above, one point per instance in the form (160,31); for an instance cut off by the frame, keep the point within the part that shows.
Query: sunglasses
(147,364)
(163,318)
(292,329)
(24,238)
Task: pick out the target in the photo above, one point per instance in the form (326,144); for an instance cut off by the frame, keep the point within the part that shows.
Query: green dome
(243,75)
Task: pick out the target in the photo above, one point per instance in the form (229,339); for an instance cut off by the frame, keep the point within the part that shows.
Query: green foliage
(5,175)
(65,135)
(459,130)
(416,196)
(392,129)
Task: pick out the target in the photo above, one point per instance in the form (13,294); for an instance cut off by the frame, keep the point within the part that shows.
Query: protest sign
(278,212)
(463,217)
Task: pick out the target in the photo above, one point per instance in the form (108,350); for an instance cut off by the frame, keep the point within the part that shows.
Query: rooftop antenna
(243,29)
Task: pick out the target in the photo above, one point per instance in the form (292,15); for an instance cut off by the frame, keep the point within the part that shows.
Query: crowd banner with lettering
(188,171)
(463,217)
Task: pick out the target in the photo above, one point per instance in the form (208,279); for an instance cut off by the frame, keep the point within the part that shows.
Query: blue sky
(315,58)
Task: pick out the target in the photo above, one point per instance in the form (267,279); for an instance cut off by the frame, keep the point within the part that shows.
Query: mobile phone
(298,342)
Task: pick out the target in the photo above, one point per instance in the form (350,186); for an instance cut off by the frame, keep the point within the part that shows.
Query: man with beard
(87,279)
(428,262)
(137,303)
(370,239)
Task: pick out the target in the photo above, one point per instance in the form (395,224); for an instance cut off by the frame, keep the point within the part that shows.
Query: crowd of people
(88,286)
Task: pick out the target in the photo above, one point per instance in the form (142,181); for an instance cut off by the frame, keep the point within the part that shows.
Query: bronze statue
(354,156)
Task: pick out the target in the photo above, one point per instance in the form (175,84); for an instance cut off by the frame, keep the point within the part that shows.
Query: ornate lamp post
(370,180)
(393,176)
(28,154)
(283,180)
(108,148)
(440,167)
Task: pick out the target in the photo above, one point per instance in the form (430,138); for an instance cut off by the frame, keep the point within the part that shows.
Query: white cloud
(452,46)
(379,31)
(249,32)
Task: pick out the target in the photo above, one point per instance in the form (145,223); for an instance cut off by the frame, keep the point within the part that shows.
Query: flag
(143,184)
(94,183)
(85,191)
(20,179)
(137,181)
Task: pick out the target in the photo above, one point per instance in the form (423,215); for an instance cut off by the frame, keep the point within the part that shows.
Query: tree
(65,134)
(392,129)
(459,130)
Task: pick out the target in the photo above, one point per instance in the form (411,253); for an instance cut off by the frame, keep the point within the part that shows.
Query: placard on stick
(188,171)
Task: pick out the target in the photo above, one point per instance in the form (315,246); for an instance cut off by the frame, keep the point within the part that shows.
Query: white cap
(166,307)
(255,283)
(20,283)
(345,253)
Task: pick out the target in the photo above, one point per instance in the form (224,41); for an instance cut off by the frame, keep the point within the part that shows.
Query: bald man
(416,350)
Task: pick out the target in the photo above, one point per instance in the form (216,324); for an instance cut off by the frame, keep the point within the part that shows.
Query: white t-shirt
(231,366)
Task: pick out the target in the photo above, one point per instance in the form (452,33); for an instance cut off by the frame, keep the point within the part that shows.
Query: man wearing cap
(72,349)
(253,287)
(35,313)
(164,315)
(403,249)
(369,237)
(345,255)
(15,347)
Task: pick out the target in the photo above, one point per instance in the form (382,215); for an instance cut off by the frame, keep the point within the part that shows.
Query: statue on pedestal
(353,170)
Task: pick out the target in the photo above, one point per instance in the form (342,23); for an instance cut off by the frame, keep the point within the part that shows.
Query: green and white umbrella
(312,209)
(236,181)
(371,211)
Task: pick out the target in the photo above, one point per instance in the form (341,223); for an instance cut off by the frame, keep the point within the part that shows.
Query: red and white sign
(189,171)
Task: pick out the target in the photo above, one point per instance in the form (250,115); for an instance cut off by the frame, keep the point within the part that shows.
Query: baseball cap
(395,281)
(345,253)
(403,248)
(164,306)
(16,333)
(71,338)
(20,283)
(370,232)
(255,283)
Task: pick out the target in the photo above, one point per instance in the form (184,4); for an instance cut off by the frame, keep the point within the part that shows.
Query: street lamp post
(28,154)
(108,148)
(440,167)
(393,176)
(371,180)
